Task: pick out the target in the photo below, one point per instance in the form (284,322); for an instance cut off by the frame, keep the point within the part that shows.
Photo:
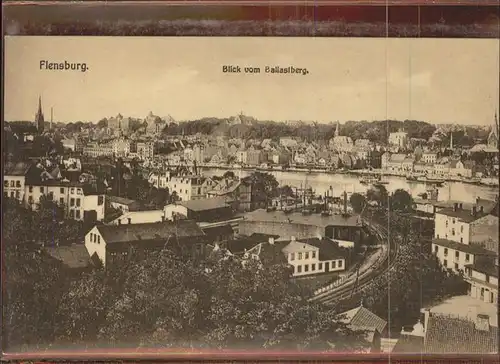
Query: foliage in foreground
(161,301)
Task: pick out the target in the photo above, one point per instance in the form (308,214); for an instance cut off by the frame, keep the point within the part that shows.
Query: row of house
(28,184)
(120,147)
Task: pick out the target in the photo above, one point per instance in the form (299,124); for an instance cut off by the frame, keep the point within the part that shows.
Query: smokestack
(271,241)
(477,200)
(455,206)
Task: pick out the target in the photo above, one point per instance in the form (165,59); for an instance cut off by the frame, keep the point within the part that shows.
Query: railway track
(353,285)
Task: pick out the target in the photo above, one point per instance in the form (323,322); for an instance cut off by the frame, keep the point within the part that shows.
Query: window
(77,202)
(436,249)
(467,257)
(461,240)
(313,267)
(51,196)
(71,213)
(98,239)
(30,199)
(100,200)
(306,268)
(41,189)
(320,266)
(12,183)
(17,194)
(453,232)
(445,252)
(462,229)
(61,200)
(30,189)
(77,213)
(307,255)
(299,269)
(457,255)
(12,194)
(340,264)
(300,256)
(446,223)
(454,220)
(72,191)
(6,183)
(72,202)
(18,183)
(456,266)
(62,190)
(445,263)
(292,256)
(314,254)
(334,264)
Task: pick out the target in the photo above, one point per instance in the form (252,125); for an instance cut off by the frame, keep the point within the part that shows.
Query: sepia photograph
(224,194)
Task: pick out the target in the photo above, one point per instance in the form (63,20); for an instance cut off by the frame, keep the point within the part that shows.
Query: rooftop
(449,334)
(328,249)
(360,317)
(16,169)
(466,248)
(121,200)
(205,204)
(465,215)
(149,231)
(298,218)
(485,265)
(73,256)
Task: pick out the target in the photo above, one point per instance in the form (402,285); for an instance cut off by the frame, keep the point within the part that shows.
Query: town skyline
(392,86)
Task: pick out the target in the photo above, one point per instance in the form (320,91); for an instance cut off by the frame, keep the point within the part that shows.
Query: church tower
(39,120)
(337,129)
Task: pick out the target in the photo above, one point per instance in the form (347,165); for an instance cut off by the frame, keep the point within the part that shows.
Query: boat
(411,177)
(370,180)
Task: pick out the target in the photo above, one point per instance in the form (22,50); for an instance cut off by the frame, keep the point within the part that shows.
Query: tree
(401,200)
(285,191)
(378,193)
(264,187)
(229,174)
(358,202)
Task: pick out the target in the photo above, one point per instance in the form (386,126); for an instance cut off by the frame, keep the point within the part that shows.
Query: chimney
(477,200)
(460,206)
(271,241)
(129,220)
(292,239)
(481,208)
(482,322)
(474,210)
(455,206)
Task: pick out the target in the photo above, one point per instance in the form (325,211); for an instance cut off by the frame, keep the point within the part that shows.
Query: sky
(434,80)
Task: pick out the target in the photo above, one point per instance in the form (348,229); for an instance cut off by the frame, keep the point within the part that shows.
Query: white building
(306,257)
(483,279)
(14,180)
(139,217)
(459,234)
(77,202)
(399,139)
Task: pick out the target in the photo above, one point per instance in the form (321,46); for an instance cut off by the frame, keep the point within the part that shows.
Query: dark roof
(205,204)
(464,215)
(150,231)
(485,265)
(121,200)
(73,256)
(238,246)
(218,230)
(409,344)
(260,237)
(16,169)
(328,249)
(467,248)
(447,334)
(272,253)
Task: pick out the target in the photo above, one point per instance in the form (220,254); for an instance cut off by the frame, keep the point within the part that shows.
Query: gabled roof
(360,317)
(447,334)
(464,215)
(328,249)
(149,231)
(486,265)
(121,200)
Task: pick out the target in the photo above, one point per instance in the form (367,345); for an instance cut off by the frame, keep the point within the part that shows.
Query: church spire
(39,120)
